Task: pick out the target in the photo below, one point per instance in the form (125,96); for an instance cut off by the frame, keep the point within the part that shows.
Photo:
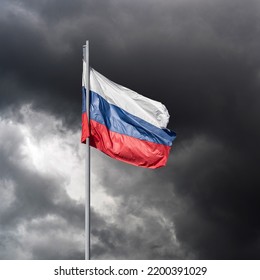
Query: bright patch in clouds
(52,150)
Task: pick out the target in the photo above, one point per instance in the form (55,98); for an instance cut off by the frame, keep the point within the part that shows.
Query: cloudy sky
(198,57)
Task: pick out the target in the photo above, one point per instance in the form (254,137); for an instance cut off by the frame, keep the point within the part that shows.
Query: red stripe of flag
(128,149)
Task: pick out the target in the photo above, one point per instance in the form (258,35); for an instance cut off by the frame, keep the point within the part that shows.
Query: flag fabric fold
(124,124)
(84,119)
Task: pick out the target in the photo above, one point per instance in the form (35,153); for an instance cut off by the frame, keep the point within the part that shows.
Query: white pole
(87,178)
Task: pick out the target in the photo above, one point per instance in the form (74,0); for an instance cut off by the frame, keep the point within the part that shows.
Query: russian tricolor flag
(124,124)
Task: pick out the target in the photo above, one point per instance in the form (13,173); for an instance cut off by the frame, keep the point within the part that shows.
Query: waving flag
(126,125)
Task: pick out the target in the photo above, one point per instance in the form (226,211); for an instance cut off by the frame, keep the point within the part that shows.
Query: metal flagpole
(87,178)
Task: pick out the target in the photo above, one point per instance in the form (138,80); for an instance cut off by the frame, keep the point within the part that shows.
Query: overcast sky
(198,57)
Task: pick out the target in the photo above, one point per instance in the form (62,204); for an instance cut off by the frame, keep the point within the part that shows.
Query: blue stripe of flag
(120,121)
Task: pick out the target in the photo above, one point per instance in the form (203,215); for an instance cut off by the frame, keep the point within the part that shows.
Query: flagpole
(87,167)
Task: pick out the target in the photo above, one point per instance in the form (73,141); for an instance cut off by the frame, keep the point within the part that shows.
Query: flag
(124,124)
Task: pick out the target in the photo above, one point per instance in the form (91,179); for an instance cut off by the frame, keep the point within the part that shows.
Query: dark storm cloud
(153,238)
(221,197)
(144,226)
(192,49)
(200,58)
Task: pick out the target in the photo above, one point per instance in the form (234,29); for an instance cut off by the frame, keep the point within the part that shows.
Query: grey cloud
(144,228)
(30,199)
(216,197)
(150,240)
